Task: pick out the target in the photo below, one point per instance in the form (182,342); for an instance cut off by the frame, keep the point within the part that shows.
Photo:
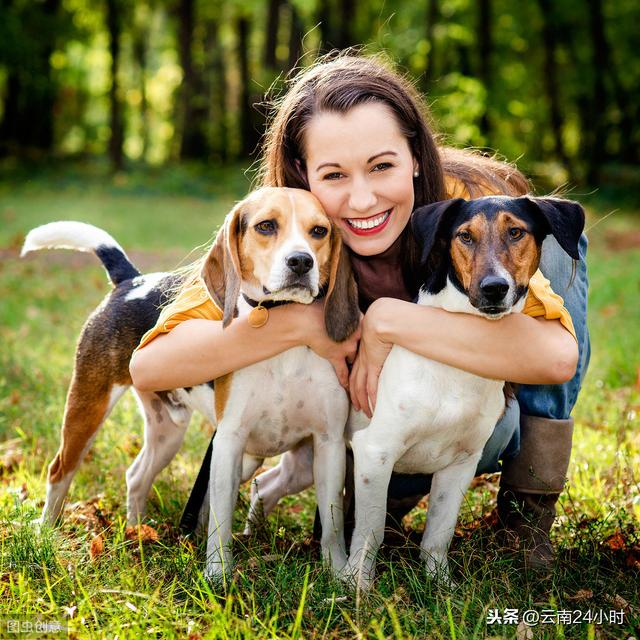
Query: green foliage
(507,108)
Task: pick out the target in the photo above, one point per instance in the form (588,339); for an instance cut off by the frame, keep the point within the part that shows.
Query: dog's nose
(494,288)
(300,263)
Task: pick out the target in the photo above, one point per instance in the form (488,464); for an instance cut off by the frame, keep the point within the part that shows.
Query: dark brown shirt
(380,276)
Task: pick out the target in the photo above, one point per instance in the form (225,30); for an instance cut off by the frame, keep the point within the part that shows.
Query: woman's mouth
(371,225)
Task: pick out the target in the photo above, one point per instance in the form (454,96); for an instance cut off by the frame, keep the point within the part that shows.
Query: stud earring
(416,173)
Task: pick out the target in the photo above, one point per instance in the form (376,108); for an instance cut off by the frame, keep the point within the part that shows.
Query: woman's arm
(517,348)
(197,351)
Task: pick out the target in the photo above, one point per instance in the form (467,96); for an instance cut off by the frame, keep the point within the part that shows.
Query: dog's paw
(438,570)
(215,574)
(356,579)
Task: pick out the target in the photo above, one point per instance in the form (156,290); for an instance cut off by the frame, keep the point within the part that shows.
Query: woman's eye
(332,176)
(465,237)
(319,232)
(381,166)
(516,233)
(266,227)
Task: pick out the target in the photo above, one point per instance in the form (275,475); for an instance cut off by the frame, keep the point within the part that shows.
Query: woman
(353,132)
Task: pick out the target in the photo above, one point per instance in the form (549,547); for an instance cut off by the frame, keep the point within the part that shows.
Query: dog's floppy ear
(429,222)
(565,219)
(221,270)
(341,311)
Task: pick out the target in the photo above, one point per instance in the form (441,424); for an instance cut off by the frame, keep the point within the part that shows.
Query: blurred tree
(192,111)
(28,32)
(430,71)
(550,76)
(485,52)
(271,34)
(114,25)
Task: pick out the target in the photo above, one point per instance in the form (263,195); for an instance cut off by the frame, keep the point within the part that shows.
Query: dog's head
(489,248)
(278,244)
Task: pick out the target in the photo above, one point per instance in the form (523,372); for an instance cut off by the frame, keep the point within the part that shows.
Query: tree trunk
(295,38)
(217,92)
(193,108)
(28,120)
(600,62)
(327,39)
(432,19)
(247,133)
(550,79)
(347,18)
(485,42)
(117,128)
(140,56)
(271,35)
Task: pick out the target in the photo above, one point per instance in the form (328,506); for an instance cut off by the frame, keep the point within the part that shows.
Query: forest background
(553,85)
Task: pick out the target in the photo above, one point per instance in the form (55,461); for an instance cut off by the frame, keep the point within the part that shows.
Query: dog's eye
(465,237)
(319,232)
(266,227)
(515,233)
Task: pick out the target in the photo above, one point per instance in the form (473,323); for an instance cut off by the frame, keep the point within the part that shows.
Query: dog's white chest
(430,415)
(278,402)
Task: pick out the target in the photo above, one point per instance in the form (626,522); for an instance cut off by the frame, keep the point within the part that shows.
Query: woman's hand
(339,354)
(373,351)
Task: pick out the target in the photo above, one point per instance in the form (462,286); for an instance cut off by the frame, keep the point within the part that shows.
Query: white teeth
(369,224)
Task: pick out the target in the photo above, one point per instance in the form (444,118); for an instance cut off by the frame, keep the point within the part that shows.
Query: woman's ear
(341,310)
(221,270)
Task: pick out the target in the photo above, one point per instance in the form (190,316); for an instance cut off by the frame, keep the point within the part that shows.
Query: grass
(279,590)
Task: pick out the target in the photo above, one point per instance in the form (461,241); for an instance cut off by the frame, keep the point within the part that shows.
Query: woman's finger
(352,384)
(372,388)
(361,390)
(342,371)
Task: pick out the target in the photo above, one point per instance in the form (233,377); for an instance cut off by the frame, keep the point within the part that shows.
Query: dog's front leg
(329,461)
(372,472)
(447,491)
(224,483)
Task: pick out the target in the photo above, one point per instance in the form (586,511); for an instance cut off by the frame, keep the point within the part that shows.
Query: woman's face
(360,167)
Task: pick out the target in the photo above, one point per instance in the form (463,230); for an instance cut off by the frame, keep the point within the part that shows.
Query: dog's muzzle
(494,291)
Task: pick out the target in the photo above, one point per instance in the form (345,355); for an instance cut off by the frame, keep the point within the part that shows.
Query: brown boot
(531,484)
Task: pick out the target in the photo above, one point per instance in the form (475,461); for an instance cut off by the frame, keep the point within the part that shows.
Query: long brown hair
(340,83)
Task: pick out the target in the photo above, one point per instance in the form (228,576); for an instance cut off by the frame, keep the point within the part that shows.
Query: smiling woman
(364,181)
(355,133)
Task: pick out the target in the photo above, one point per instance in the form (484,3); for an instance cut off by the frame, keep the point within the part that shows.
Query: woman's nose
(361,197)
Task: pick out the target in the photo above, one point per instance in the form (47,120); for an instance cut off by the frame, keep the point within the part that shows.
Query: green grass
(280,589)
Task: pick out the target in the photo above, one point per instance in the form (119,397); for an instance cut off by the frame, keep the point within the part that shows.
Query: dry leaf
(97,547)
(618,602)
(580,595)
(524,631)
(616,542)
(142,532)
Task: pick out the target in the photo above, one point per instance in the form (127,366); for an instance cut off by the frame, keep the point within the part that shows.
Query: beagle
(276,246)
(477,257)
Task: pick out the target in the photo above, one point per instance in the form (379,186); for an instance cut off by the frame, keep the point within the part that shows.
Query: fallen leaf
(524,631)
(616,542)
(142,532)
(97,548)
(618,602)
(580,595)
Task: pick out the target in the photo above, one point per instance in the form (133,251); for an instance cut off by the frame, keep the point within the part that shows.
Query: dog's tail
(82,237)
